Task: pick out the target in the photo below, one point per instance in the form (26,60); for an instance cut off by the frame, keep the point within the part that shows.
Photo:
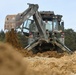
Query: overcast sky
(67,8)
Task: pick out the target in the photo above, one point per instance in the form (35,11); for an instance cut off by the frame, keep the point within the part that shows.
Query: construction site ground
(20,62)
(48,54)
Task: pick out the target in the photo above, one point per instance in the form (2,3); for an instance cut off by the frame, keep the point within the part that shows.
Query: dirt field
(13,63)
(65,65)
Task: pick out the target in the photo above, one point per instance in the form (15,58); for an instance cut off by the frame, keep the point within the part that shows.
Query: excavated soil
(10,61)
(48,54)
(12,38)
(13,63)
(65,65)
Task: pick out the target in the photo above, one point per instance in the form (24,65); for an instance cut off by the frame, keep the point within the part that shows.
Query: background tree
(2,36)
(70,39)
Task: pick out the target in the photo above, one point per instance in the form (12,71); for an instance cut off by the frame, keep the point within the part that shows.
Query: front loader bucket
(62,46)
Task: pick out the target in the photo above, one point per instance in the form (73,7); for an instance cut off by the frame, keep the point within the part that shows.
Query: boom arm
(32,11)
(40,25)
(20,18)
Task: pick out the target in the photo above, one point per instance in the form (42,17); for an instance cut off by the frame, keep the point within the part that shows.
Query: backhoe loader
(44,29)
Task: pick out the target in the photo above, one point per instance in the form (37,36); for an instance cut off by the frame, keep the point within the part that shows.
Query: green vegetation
(70,39)
(2,36)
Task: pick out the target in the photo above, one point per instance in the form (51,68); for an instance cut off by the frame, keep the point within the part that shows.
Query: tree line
(70,38)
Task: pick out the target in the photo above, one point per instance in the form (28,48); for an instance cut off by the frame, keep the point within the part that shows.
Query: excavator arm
(33,11)
(15,21)
(22,17)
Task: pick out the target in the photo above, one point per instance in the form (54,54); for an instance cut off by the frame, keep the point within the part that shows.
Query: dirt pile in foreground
(65,65)
(10,61)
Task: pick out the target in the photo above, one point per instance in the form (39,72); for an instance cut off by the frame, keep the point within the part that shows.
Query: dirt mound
(51,54)
(65,65)
(48,54)
(10,61)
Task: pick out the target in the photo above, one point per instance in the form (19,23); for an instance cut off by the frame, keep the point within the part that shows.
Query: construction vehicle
(44,29)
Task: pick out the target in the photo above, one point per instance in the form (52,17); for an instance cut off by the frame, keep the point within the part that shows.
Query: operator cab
(51,20)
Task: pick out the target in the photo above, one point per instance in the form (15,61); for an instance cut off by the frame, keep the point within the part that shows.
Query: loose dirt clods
(12,38)
(13,63)
(65,65)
